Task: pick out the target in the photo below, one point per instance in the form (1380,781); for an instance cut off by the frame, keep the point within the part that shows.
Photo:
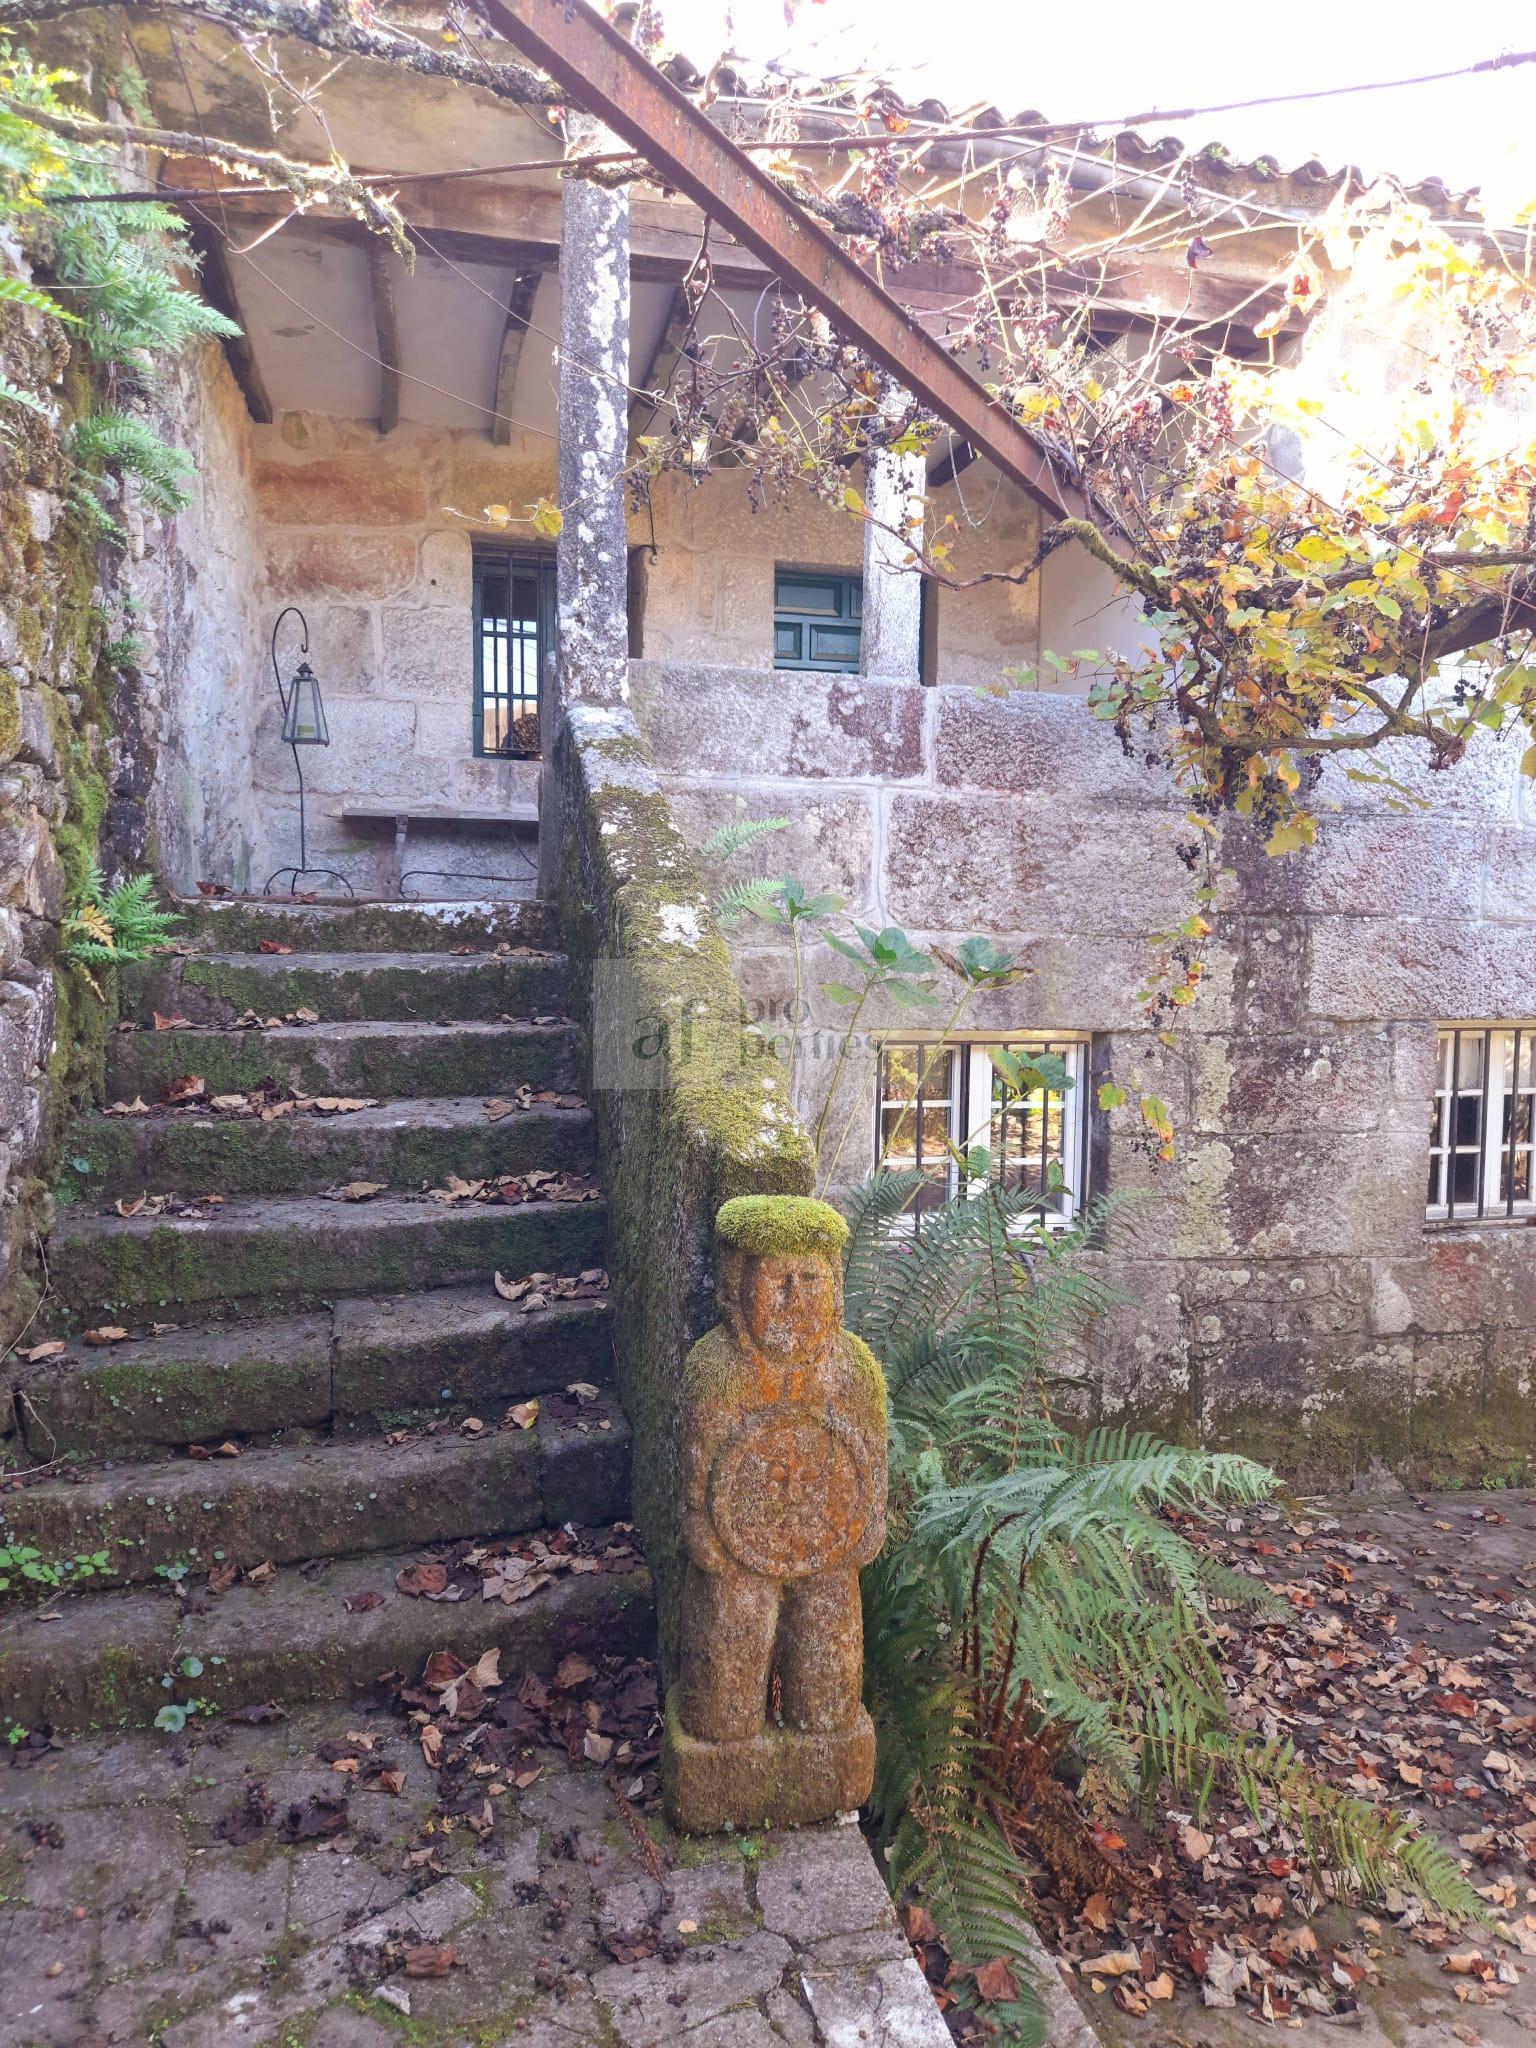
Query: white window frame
(1502,1057)
(968,1107)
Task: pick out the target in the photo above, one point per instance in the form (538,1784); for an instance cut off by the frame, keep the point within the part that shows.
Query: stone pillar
(591,661)
(892,641)
(782,1449)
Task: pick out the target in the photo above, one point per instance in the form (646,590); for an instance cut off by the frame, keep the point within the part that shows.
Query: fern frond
(129,446)
(746,899)
(14,291)
(736,836)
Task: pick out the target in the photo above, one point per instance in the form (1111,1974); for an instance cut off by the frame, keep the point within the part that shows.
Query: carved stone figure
(782,1437)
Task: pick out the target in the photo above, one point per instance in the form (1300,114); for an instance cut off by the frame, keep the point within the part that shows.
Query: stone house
(1336,1268)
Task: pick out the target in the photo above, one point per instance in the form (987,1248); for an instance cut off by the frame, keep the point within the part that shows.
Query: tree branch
(330,183)
(328,25)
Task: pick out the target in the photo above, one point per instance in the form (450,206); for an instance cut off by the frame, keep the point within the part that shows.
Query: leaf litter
(1404,1670)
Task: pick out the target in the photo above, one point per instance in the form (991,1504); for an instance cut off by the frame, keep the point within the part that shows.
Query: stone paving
(129,1915)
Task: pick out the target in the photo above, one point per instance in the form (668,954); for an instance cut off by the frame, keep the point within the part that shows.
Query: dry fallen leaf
(108,1333)
(1196,1846)
(360,1190)
(170,1023)
(422,1579)
(54,1348)
(524,1414)
(428,1960)
(996,1983)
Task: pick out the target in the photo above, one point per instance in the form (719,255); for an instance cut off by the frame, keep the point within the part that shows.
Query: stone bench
(521,815)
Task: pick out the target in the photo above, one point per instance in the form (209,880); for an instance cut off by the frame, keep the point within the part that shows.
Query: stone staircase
(317,1394)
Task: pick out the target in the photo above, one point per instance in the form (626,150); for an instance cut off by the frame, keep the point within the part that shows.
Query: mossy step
(331,1500)
(302,1248)
(360,1368)
(462,1347)
(403,1144)
(101,1664)
(215,988)
(238,924)
(194,1386)
(384,1059)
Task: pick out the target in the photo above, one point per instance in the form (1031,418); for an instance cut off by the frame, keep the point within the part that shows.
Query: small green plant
(23,1565)
(109,926)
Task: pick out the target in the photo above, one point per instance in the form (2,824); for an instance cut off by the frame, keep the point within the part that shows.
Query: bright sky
(1105,59)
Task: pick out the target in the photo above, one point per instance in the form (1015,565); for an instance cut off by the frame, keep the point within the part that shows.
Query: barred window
(1480,1127)
(938,1104)
(514,598)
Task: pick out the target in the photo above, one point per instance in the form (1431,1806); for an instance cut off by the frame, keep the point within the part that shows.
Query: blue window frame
(817,620)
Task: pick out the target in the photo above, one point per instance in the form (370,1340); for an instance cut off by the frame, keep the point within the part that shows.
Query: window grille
(937,1105)
(514,599)
(1480,1127)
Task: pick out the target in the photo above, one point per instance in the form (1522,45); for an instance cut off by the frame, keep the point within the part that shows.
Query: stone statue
(782,1437)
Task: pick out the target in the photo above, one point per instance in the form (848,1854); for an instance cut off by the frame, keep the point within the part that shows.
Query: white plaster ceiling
(306,305)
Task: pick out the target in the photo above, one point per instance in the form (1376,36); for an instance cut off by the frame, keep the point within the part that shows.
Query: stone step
(330,1500)
(238,924)
(101,1662)
(389,1060)
(404,1144)
(362,1366)
(461,1347)
(299,1249)
(215,988)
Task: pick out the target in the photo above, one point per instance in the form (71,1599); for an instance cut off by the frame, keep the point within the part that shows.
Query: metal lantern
(304,720)
(303,726)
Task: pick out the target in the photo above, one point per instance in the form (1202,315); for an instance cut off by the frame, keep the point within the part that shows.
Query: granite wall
(1281,1287)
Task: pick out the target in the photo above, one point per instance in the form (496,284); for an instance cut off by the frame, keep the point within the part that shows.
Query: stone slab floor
(130,1916)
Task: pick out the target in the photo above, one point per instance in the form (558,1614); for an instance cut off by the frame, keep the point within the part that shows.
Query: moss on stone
(781,1225)
(10,714)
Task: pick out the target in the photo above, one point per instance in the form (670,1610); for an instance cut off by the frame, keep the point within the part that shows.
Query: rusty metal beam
(589,59)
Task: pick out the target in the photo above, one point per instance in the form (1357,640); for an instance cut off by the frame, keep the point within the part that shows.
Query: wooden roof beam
(381,290)
(520,298)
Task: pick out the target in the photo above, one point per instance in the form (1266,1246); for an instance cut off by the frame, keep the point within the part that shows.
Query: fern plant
(1033,1601)
(109,926)
(126,444)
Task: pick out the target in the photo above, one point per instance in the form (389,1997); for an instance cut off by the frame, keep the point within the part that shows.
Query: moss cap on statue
(768,1225)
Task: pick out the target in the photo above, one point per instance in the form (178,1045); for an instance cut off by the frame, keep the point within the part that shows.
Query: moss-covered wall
(691,1107)
(96,664)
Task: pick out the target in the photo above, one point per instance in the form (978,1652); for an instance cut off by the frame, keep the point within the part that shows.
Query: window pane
(1464,1178)
(808,594)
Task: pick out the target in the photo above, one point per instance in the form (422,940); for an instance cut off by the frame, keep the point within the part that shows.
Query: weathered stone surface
(1008,866)
(286,1505)
(820,1884)
(367,987)
(742,723)
(299,1246)
(341,491)
(376,565)
(1040,746)
(649,2003)
(828,837)
(445,570)
(429,652)
(887,2007)
(356,1058)
(781,1423)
